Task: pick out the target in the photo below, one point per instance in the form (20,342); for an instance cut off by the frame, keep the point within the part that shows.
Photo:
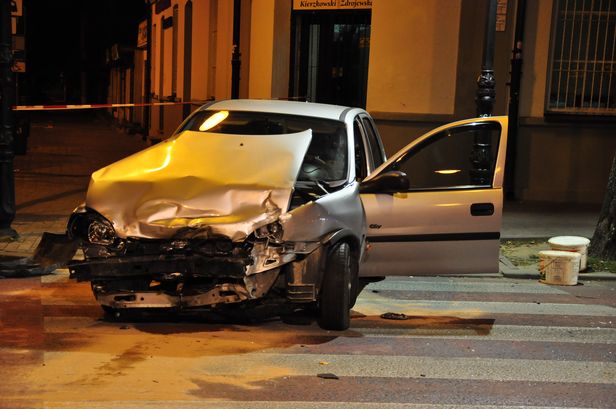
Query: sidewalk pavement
(65,148)
(508,269)
(536,223)
(544,220)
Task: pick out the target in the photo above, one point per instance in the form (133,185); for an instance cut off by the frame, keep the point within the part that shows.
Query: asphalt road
(468,343)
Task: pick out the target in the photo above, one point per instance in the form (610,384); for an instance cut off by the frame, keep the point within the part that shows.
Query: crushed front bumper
(191,280)
(187,296)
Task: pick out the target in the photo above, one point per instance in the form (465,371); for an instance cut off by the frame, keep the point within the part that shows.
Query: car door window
(376,150)
(360,152)
(457,158)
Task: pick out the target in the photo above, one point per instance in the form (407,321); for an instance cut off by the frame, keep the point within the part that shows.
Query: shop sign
(331,4)
(142,35)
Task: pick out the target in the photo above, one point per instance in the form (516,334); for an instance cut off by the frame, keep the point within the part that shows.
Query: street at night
(467,342)
(339,204)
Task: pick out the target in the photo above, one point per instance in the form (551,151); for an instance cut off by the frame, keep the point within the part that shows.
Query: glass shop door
(330,56)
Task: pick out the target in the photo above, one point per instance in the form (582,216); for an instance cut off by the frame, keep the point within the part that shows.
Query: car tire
(335,295)
(355,289)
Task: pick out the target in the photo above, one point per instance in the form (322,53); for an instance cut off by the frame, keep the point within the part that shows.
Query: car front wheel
(335,297)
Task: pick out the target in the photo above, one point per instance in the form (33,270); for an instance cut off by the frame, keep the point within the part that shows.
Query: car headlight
(272,231)
(92,227)
(101,232)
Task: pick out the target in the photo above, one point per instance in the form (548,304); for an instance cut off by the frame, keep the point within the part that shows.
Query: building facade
(412,64)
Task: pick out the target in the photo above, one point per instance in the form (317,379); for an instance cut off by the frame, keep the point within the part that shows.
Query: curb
(509,270)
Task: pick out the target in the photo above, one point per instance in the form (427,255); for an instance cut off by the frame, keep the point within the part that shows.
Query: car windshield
(326,158)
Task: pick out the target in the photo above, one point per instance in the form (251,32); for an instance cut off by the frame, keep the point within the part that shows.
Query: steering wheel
(314,168)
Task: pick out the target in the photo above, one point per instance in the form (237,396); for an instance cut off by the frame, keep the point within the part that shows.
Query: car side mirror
(389,182)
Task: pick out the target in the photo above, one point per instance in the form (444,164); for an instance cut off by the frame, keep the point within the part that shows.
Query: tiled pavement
(64,148)
(30,232)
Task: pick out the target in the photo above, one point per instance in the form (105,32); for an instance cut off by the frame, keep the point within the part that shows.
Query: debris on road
(327,376)
(25,267)
(59,251)
(394,316)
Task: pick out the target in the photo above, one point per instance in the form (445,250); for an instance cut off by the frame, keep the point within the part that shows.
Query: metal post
(514,100)
(486,81)
(482,151)
(235,59)
(7,97)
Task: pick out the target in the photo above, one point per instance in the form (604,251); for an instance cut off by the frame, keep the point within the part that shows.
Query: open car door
(448,220)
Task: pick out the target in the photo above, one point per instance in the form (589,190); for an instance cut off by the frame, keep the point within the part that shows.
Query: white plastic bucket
(559,267)
(572,243)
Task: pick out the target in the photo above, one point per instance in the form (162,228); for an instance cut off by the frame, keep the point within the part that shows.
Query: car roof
(311,109)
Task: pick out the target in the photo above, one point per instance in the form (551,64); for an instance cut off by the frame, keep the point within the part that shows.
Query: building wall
(561,161)
(413,54)
(282,49)
(245,46)
(537,43)
(261,49)
(417,94)
(224,49)
(138,86)
(270,42)
(424,61)
(470,57)
(564,162)
(200,50)
(212,42)
(558,160)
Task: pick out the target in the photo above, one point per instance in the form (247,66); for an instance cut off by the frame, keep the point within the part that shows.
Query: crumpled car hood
(217,184)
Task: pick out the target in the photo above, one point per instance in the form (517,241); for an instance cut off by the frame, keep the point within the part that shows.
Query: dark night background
(66,37)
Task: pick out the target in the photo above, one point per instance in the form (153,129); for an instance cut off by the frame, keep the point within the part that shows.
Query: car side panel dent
(340,210)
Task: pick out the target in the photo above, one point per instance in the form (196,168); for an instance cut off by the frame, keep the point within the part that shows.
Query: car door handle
(482,209)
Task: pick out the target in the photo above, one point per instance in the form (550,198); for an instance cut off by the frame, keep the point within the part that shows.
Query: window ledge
(566,120)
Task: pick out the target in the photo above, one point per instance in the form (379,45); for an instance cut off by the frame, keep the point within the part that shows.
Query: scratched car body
(251,201)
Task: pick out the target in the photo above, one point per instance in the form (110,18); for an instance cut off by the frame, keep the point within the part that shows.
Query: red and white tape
(89,106)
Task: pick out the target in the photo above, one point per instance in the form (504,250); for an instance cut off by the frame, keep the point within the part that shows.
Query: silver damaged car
(253,202)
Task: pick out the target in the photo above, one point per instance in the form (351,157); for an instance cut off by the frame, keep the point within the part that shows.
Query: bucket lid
(569,241)
(560,254)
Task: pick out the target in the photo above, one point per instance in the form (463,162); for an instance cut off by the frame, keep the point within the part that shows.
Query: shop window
(376,149)
(582,77)
(361,170)
(330,56)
